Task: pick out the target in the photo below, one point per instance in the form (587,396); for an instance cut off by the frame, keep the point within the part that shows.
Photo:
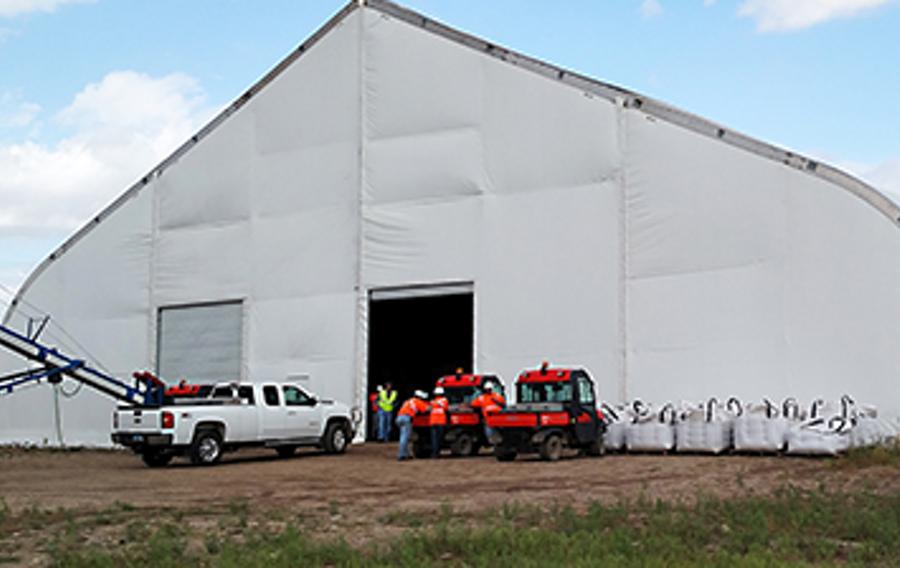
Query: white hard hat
(488,386)
(439,390)
(421,394)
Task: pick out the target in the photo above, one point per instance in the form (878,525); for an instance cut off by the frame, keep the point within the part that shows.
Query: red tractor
(464,434)
(555,409)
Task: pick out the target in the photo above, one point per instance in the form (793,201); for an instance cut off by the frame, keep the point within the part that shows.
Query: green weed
(886,454)
(793,527)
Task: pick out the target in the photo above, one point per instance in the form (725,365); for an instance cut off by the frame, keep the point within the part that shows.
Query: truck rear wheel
(335,438)
(156,458)
(551,447)
(207,447)
(462,445)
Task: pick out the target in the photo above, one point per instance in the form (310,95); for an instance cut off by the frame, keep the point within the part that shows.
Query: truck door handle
(292,413)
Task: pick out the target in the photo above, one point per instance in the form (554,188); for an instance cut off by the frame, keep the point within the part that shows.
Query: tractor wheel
(207,447)
(285,451)
(155,458)
(335,441)
(462,445)
(551,448)
(504,454)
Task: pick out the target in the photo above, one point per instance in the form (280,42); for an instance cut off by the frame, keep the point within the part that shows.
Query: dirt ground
(368,476)
(354,495)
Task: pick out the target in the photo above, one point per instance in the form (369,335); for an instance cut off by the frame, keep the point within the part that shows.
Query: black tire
(285,451)
(463,445)
(504,454)
(551,448)
(336,439)
(206,449)
(476,448)
(156,458)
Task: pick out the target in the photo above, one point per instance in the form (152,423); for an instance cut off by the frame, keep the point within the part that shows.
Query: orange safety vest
(373,401)
(413,406)
(438,416)
(489,403)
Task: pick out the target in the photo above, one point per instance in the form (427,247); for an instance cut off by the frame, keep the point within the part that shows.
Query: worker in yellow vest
(387,397)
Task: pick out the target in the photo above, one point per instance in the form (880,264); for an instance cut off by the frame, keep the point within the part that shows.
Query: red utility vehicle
(464,433)
(555,409)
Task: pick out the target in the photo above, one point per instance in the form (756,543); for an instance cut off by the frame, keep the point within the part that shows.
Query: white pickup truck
(226,417)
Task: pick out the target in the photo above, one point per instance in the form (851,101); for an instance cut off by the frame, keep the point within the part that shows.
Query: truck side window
(271,396)
(222,392)
(294,396)
(585,390)
(246,392)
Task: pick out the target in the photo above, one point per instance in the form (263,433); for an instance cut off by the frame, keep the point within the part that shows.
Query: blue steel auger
(53,366)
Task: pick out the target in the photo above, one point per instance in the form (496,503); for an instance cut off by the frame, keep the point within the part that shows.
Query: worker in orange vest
(488,402)
(413,406)
(438,420)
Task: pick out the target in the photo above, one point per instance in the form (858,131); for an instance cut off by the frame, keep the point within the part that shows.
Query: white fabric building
(397,194)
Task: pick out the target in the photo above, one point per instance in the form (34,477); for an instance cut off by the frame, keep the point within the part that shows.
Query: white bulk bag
(868,431)
(652,432)
(704,430)
(616,426)
(760,428)
(819,437)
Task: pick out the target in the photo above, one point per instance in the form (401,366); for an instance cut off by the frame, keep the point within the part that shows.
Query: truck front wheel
(206,448)
(335,441)
(551,447)
(156,458)
(462,445)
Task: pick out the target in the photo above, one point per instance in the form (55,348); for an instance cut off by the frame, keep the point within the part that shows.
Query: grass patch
(886,454)
(793,527)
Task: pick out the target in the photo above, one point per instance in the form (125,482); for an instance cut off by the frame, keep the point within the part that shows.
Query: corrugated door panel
(200,343)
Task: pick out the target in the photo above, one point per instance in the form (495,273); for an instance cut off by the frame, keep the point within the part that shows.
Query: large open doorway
(417,335)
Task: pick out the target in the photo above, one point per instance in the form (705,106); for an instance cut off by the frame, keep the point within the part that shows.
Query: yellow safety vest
(386,401)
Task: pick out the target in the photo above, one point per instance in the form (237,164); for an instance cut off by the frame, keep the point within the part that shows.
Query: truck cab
(556,408)
(464,435)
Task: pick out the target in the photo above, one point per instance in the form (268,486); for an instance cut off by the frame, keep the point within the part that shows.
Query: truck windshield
(461,395)
(465,395)
(545,392)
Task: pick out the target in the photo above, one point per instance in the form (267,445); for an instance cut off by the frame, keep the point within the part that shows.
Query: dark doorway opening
(414,341)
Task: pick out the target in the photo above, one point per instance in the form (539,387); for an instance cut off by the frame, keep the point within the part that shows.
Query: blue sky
(93,93)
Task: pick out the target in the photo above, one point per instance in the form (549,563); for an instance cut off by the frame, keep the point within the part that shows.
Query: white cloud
(709,2)
(787,15)
(119,129)
(11,8)
(15,112)
(651,8)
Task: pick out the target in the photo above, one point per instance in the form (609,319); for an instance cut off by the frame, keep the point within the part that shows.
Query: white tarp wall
(668,263)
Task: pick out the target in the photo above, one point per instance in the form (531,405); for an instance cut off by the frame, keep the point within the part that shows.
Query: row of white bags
(826,429)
